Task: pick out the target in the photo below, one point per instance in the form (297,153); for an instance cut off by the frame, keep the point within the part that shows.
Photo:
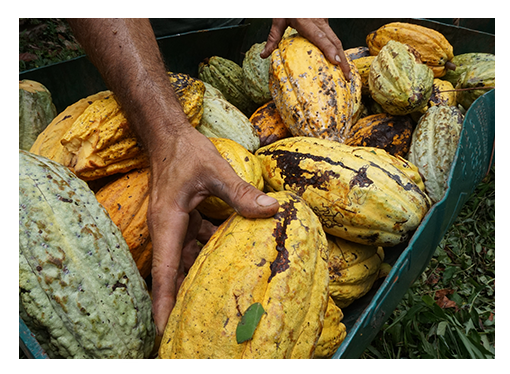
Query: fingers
(168,229)
(318,31)
(275,35)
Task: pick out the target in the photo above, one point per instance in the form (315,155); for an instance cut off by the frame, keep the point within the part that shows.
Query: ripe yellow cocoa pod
(279,262)
(353,269)
(357,194)
(333,332)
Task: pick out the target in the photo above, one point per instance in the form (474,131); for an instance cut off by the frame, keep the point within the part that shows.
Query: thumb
(246,199)
(275,35)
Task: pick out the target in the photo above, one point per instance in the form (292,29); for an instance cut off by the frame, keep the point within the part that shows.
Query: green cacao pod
(464,62)
(398,80)
(279,262)
(311,94)
(475,82)
(384,131)
(353,269)
(80,292)
(222,119)
(227,76)
(256,74)
(434,145)
(357,194)
(36,111)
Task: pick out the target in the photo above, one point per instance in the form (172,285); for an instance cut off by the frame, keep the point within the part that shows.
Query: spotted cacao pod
(279,262)
(398,80)
(434,49)
(384,131)
(311,94)
(269,124)
(80,292)
(357,194)
(353,269)
(433,147)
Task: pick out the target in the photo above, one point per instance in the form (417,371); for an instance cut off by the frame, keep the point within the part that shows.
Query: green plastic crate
(72,80)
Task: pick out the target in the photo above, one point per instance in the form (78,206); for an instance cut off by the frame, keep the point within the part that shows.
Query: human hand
(317,31)
(184,173)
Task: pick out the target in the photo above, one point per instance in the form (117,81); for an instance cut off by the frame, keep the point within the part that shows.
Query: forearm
(126,54)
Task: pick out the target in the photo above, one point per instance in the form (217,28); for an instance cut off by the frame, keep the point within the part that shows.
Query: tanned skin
(185,165)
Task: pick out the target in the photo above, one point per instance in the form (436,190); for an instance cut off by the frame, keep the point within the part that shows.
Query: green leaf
(248,323)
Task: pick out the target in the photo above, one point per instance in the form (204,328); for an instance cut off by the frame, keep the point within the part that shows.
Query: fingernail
(337,58)
(263,51)
(264,200)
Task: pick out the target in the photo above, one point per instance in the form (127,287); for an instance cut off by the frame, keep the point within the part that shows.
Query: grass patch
(449,312)
(45,41)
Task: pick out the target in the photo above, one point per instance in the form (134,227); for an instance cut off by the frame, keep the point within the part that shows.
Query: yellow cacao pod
(279,262)
(93,136)
(311,94)
(357,194)
(246,166)
(353,269)
(333,332)
(434,49)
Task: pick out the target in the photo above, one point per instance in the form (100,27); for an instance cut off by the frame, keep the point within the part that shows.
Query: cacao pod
(311,94)
(227,76)
(36,111)
(475,82)
(465,62)
(333,332)
(357,52)
(269,124)
(93,136)
(357,194)
(222,119)
(126,199)
(434,49)
(363,66)
(433,147)
(398,80)
(353,269)
(384,131)
(279,262)
(256,74)
(80,292)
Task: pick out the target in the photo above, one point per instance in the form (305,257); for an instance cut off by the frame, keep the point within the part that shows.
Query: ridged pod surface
(269,124)
(475,82)
(311,94)
(36,111)
(464,62)
(126,199)
(280,262)
(80,292)
(357,194)
(434,49)
(357,52)
(93,136)
(363,66)
(222,119)
(256,74)
(398,80)
(246,166)
(333,332)
(384,131)
(227,76)
(434,145)
(353,269)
